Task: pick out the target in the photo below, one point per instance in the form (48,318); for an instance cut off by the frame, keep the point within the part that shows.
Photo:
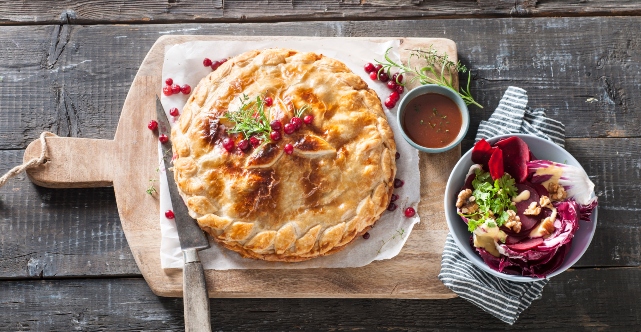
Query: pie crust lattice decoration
(263,203)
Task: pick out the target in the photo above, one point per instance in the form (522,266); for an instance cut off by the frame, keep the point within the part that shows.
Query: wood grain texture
(48,233)
(83,235)
(181,11)
(72,160)
(586,299)
(562,63)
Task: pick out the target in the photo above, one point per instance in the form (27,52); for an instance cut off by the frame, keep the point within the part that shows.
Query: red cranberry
(228,144)
(400,89)
(410,212)
(399,78)
(297,122)
(373,76)
(207,62)
(289,128)
(378,67)
(366,236)
(276,125)
(275,135)
(398,155)
(174,111)
(390,103)
(391,85)
(167,90)
(215,65)
(398,183)
(169,81)
(254,141)
(394,198)
(289,149)
(175,89)
(369,67)
(185,89)
(153,125)
(394,96)
(268,101)
(223,61)
(244,144)
(391,207)
(383,77)
(163,138)
(170,214)
(308,119)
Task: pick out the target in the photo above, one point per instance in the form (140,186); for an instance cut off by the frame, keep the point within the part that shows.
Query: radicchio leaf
(573,179)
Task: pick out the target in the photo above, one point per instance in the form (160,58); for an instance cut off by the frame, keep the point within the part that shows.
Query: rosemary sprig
(250,119)
(300,111)
(433,69)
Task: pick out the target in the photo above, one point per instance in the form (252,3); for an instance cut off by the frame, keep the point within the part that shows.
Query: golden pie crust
(268,205)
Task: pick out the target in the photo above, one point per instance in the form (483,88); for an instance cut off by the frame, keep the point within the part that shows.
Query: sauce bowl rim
(447,92)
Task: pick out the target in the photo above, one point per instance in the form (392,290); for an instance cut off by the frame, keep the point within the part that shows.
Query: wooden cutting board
(129,161)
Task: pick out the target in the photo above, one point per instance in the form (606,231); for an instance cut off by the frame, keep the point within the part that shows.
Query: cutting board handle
(73,162)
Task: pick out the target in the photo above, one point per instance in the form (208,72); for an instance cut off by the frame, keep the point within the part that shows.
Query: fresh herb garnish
(433,68)
(299,112)
(151,190)
(250,119)
(494,199)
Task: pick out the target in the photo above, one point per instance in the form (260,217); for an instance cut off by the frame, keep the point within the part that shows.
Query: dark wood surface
(65,261)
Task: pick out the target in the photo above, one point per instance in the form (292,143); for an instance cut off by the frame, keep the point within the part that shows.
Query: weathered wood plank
(68,81)
(76,232)
(174,11)
(591,299)
(59,232)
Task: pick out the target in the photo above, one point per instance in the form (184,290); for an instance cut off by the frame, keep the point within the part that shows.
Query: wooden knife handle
(196,301)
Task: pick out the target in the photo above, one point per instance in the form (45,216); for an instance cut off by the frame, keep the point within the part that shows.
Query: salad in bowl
(521,213)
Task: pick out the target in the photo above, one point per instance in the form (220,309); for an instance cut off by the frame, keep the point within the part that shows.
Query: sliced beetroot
(516,155)
(526,244)
(527,222)
(540,189)
(496,164)
(515,238)
(481,152)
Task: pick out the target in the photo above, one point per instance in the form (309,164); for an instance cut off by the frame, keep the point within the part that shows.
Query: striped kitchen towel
(503,299)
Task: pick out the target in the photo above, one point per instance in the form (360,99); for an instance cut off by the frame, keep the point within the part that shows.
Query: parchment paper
(183,63)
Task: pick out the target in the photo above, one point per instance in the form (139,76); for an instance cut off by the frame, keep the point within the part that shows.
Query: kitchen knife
(192,239)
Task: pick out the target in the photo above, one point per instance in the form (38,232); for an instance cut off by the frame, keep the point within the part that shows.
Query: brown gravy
(432,120)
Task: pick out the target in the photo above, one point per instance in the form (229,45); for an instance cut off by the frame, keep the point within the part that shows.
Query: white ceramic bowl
(542,149)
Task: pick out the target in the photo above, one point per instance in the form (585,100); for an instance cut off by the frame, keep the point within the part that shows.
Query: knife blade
(189,233)
(191,237)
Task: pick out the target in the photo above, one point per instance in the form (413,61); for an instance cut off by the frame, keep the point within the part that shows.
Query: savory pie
(262,202)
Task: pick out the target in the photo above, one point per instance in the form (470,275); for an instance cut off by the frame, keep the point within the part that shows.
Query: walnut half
(466,202)
(532,210)
(557,192)
(513,221)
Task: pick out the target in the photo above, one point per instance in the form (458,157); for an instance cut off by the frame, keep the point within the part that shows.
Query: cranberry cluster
(294,124)
(174,89)
(395,83)
(213,64)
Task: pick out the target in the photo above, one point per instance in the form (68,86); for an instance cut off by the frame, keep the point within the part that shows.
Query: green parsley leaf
(494,199)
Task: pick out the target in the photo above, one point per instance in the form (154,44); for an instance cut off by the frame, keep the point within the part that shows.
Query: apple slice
(526,245)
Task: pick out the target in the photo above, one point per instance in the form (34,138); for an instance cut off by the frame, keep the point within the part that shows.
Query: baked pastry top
(262,202)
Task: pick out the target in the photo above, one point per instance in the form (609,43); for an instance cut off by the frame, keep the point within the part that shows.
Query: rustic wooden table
(66,67)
